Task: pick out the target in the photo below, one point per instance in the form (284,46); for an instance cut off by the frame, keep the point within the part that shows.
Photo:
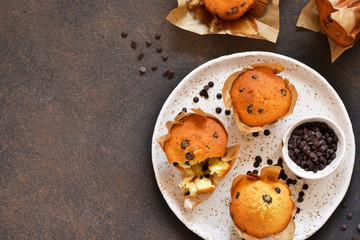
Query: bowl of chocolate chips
(313,147)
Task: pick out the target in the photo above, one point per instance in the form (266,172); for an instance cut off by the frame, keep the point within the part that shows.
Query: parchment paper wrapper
(271,172)
(244,128)
(266,26)
(309,19)
(230,155)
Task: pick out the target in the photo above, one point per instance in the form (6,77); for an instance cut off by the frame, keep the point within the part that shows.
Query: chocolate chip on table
(219,96)
(255,134)
(133,45)
(305,186)
(300,199)
(140,56)
(269,162)
(256,164)
(157,36)
(211,84)
(278,190)
(184,109)
(142,69)
(343,227)
(159,49)
(349,216)
(258,159)
(218,110)
(298,210)
(205,167)
(165,57)
(166,73)
(171,75)
(261,110)
(283,92)
(207,175)
(124,34)
(227,112)
(154,67)
(148,43)
(343,204)
(237,195)
(267,132)
(206,87)
(288,181)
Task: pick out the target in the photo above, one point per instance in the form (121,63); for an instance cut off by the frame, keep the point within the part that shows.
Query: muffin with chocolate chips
(259,96)
(261,205)
(196,144)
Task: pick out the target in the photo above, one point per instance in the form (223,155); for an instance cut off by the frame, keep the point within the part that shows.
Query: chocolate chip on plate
(148,43)
(184,109)
(196,99)
(219,96)
(211,84)
(140,56)
(227,112)
(218,110)
(171,75)
(159,49)
(269,162)
(267,132)
(255,134)
(133,45)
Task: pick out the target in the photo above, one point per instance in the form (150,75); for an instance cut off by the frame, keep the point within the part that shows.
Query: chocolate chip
(358,227)
(219,96)
(202,92)
(142,69)
(258,159)
(211,84)
(165,57)
(133,45)
(242,4)
(266,132)
(343,204)
(166,73)
(148,43)
(301,193)
(283,92)
(227,112)
(260,110)
(255,134)
(184,144)
(184,109)
(300,199)
(216,135)
(277,190)
(305,186)
(187,193)
(343,227)
(196,99)
(171,75)
(241,90)
(218,110)
(175,164)
(255,171)
(207,175)
(189,156)
(234,10)
(249,108)
(256,164)
(206,87)
(159,49)
(157,36)
(237,195)
(269,162)
(124,34)
(254,77)
(349,216)
(267,198)
(154,67)
(140,56)
(298,210)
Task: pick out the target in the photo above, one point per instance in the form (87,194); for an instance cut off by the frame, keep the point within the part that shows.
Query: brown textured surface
(76,118)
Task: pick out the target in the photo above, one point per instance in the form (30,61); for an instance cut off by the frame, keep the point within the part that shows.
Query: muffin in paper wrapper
(271,172)
(346,14)
(277,67)
(192,16)
(230,155)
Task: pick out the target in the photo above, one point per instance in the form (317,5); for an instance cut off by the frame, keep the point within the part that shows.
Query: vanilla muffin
(261,205)
(260,97)
(228,10)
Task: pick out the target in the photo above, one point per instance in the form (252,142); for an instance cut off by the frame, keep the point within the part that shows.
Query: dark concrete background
(76,117)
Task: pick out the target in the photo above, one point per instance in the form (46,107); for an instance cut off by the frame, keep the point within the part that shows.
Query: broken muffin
(196,144)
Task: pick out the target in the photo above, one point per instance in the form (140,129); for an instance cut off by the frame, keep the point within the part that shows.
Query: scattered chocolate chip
(260,110)
(165,57)
(206,87)
(256,164)
(148,43)
(207,147)
(242,4)
(218,110)
(343,204)
(354,238)
(349,216)
(227,112)
(234,10)
(142,69)
(258,159)
(277,190)
(207,175)
(255,171)
(298,210)
(157,36)
(267,198)
(255,134)
(216,135)
(175,164)
(254,77)
(300,199)
(159,49)
(184,144)
(283,92)
(171,75)
(343,227)
(189,156)
(196,99)
(166,73)
(301,193)
(140,56)
(187,193)
(124,34)
(305,186)
(237,195)
(211,84)
(247,173)
(184,109)
(266,132)
(269,161)
(133,45)
(154,67)
(241,90)
(249,108)
(219,96)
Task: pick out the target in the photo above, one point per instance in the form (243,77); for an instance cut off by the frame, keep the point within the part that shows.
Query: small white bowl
(340,152)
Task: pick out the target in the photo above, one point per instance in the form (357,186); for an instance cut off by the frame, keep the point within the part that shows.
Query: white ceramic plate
(211,219)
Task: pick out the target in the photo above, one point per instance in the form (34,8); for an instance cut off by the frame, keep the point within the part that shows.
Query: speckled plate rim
(275,56)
